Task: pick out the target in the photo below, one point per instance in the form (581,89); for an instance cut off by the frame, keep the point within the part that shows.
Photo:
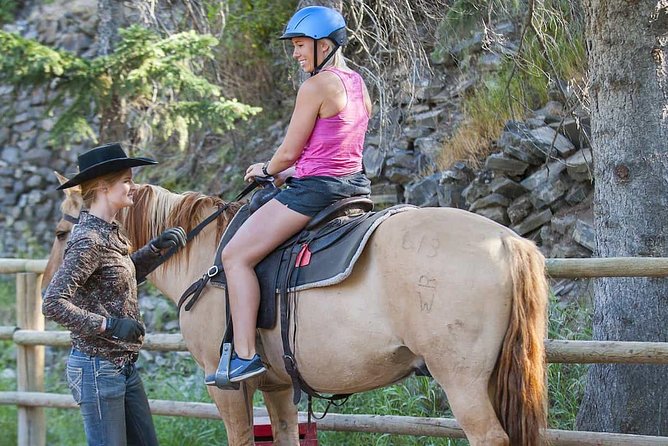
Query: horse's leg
(283,414)
(236,409)
(470,403)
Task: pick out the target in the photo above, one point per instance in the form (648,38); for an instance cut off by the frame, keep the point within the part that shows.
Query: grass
(569,320)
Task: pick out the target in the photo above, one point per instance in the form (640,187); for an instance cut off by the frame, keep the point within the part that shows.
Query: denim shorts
(310,195)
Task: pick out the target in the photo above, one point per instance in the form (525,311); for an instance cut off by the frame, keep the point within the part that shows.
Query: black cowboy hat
(103,160)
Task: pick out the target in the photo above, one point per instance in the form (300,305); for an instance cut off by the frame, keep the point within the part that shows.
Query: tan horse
(439,286)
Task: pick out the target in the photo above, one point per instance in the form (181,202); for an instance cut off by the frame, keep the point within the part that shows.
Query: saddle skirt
(313,258)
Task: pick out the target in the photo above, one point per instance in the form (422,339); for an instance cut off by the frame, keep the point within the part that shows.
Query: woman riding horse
(320,160)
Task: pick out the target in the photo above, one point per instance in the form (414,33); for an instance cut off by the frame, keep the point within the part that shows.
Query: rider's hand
(281,177)
(254,170)
(170,238)
(125,329)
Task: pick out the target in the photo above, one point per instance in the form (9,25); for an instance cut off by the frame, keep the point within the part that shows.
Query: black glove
(172,237)
(125,329)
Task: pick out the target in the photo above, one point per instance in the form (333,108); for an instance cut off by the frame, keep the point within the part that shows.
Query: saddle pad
(310,259)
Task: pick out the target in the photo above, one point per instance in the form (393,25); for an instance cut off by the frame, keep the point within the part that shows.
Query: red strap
(304,256)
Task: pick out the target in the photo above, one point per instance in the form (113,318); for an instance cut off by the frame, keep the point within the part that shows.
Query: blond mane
(156,209)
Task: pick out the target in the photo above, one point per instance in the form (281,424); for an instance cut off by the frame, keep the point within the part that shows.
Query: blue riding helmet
(317,22)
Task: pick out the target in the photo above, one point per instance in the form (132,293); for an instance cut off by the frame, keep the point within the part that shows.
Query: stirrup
(221,378)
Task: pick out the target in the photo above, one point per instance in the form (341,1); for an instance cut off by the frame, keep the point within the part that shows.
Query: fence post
(30,359)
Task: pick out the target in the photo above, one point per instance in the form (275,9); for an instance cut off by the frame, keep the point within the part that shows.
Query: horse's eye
(62,235)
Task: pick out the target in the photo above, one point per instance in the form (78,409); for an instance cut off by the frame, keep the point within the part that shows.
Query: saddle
(322,254)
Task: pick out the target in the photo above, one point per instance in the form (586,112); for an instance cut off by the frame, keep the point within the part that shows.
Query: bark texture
(629,111)
(112,119)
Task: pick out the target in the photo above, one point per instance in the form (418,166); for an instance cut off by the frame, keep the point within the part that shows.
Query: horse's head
(70,208)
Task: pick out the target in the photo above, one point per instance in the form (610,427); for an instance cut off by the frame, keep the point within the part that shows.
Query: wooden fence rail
(30,337)
(391,424)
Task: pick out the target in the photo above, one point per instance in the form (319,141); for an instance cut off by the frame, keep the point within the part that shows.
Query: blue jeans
(112,400)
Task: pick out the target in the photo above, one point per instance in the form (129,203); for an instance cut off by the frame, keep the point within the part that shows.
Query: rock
(428,146)
(513,134)
(428,91)
(533,221)
(550,142)
(507,187)
(372,139)
(10,155)
(459,173)
(495,213)
(400,167)
(577,130)
(429,119)
(580,165)
(551,109)
(490,62)
(416,132)
(36,154)
(373,161)
(450,195)
(548,193)
(503,163)
(563,224)
(423,192)
(475,190)
(527,152)
(548,174)
(497,200)
(35,181)
(584,235)
(519,209)
(578,193)
(471,45)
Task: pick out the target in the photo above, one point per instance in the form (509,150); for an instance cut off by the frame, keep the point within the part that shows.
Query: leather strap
(204,223)
(286,302)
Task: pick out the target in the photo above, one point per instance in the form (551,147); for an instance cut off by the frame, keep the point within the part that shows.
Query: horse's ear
(62,180)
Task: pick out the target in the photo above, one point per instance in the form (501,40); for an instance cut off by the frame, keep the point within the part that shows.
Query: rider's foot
(241,369)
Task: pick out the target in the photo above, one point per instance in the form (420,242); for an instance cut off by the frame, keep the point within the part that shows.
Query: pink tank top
(335,145)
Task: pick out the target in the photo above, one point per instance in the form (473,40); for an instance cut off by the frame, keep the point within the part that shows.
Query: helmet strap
(315,56)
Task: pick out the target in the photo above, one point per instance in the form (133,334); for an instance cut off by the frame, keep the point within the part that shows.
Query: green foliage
(7,300)
(253,26)
(250,50)
(8,414)
(149,83)
(569,320)
(7,11)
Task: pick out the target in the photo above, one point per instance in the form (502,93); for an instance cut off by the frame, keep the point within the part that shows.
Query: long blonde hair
(89,188)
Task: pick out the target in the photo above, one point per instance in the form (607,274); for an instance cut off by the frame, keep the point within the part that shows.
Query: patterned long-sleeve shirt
(98,279)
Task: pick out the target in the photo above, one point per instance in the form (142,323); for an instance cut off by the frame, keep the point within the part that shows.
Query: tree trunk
(629,112)
(111,18)
(112,113)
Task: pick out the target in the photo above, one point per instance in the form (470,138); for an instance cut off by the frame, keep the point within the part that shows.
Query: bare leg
(263,232)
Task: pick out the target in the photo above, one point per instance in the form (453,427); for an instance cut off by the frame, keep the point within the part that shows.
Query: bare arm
(307,107)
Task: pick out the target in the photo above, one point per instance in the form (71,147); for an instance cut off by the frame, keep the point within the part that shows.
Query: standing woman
(94,295)
(320,160)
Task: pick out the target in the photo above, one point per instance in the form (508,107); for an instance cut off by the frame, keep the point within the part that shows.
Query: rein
(204,223)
